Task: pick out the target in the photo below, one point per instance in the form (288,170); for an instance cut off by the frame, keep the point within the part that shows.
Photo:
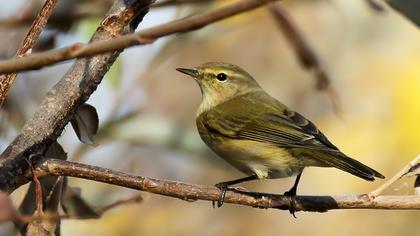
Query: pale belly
(264,160)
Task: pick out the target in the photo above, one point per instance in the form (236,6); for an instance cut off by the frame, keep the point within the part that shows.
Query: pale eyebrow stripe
(226,71)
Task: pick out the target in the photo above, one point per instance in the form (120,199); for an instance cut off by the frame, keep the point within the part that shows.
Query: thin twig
(60,103)
(38,191)
(191,192)
(27,44)
(9,213)
(169,3)
(306,55)
(376,5)
(147,36)
(394,178)
(87,9)
(47,216)
(134,199)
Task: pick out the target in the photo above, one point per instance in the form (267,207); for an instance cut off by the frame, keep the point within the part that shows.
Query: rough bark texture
(191,192)
(71,91)
(28,42)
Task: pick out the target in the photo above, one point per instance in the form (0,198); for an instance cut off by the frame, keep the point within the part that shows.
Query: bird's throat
(207,103)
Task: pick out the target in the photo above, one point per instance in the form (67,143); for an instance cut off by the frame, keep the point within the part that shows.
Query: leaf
(75,206)
(56,151)
(85,123)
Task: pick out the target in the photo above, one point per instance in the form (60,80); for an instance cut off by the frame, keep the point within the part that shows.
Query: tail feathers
(351,166)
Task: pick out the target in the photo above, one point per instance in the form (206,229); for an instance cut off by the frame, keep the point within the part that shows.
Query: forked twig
(27,44)
(394,178)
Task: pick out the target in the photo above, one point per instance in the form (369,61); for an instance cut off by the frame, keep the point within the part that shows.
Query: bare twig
(62,19)
(38,60)
(134,199)
(191,192)
(167,3)
(306,55)
(38,192)
(376,5)
(27,44)
(9,213)
(58,107)
(394,178)
(47,216)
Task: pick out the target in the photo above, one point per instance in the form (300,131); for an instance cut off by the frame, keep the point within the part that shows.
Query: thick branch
(190,192)
(66,96)
(146,36)
(27,44)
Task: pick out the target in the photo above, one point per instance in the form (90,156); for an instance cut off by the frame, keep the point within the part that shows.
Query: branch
(394,178)
(190,192)
(38,60)
(62,19)
(169,3)
(58,106)
(27,44)
(376,5)
(306,55)
(130,200)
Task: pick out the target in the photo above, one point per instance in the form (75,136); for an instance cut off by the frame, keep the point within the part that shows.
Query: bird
(259,135)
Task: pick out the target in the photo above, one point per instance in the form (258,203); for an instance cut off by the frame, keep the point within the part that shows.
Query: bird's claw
(292,198)
(223,188)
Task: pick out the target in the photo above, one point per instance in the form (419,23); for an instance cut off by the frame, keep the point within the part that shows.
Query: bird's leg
(292,195)
(223,186)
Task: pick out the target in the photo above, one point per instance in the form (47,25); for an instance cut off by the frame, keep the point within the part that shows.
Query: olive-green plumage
(258,134)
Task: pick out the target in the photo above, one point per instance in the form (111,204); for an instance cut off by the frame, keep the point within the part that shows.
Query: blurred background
(147,112)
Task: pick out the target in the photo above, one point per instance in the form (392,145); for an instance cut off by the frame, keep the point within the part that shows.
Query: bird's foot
(291,194)
(369,197)
(223,188)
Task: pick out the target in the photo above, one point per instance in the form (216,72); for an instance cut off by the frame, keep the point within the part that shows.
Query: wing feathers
(264,119)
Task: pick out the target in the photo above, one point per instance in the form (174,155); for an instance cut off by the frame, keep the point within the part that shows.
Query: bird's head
(220,82)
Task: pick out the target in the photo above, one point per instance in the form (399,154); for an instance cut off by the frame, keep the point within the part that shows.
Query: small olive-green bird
(258,134)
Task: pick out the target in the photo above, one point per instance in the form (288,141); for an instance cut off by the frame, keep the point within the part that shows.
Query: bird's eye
(221,77)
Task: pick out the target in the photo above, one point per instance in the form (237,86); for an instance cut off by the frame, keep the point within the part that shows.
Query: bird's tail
(350,165)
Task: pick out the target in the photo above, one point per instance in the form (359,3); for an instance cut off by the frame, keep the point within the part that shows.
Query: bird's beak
(189,71)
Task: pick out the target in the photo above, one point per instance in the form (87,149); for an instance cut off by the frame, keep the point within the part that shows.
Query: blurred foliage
(147,118)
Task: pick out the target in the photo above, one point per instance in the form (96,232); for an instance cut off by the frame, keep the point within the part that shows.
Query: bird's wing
(281,127)
(267,120)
